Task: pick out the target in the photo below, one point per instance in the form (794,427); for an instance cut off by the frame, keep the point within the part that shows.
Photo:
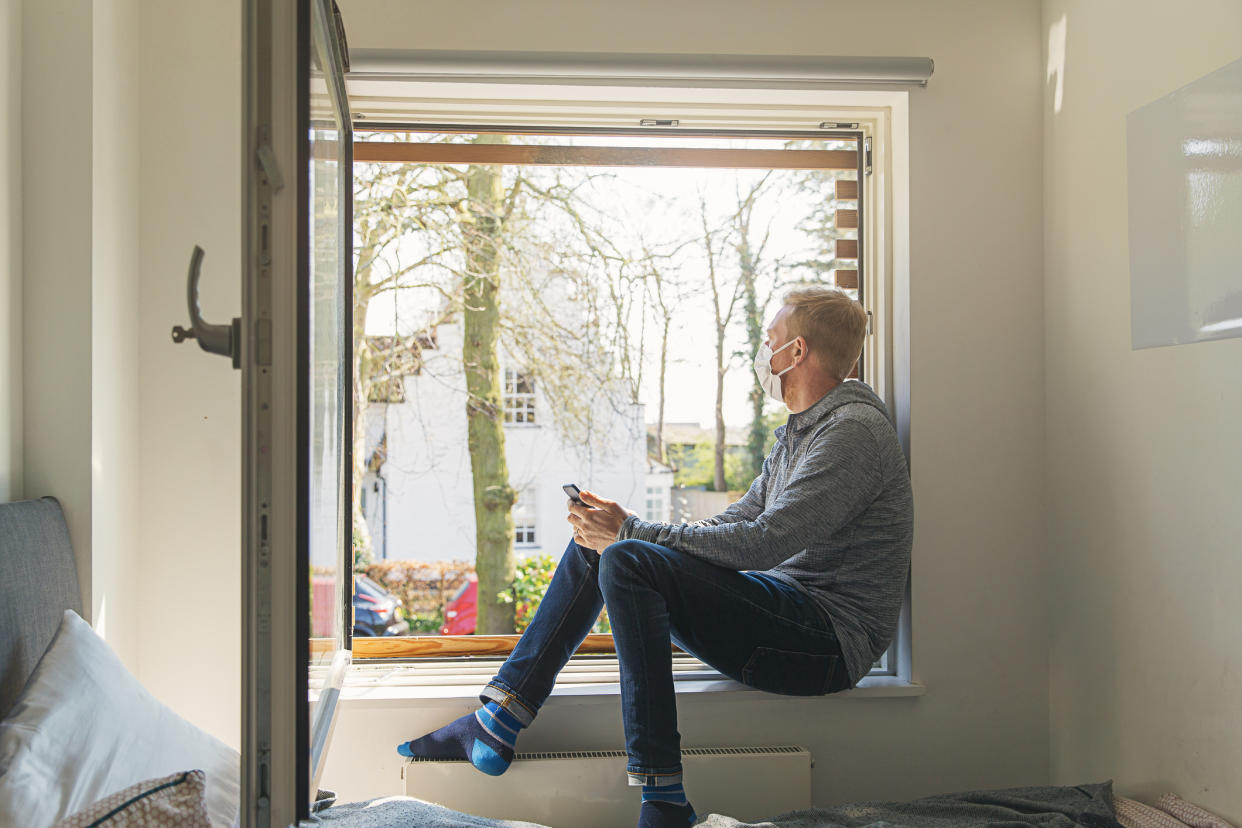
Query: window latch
(224,340)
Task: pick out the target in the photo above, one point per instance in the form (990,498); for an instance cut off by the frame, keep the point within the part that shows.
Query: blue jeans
(749,626)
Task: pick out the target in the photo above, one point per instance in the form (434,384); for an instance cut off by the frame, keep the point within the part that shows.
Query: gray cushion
(38,582)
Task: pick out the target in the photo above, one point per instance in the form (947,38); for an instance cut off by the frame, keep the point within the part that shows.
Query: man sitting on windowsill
(795,588)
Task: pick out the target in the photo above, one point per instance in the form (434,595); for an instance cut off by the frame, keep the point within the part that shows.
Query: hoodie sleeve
(835,480)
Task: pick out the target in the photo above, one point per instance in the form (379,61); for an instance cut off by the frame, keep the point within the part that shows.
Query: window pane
(326,362)
(578,318)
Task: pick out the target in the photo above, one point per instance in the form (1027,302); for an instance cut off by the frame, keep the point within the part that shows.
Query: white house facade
(420,504)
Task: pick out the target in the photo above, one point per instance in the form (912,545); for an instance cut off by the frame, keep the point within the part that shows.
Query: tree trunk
(493,496)
(663,369)
(719,483)
(361,534)
(754,338)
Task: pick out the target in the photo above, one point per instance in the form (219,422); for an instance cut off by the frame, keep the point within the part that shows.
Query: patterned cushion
(176,801)
(1134,814)
(1190,813)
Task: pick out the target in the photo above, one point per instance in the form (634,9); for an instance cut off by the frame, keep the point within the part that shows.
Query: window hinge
(659,122)
(867,156)
(869,331)
(838,125)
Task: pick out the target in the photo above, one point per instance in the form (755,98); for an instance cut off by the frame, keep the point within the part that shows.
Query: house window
(524,519)
(657,506)
(519,399)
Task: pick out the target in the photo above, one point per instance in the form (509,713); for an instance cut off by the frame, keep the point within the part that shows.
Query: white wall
(57,258)
(980,616)
(11,250)
(115,499)
(190,401)
(74,372)
(1144,448)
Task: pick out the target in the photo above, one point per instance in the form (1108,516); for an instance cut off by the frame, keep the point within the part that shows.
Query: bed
(1086,805)
(59,681)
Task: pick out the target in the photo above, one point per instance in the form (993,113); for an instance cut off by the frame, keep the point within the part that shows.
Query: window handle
(224,340)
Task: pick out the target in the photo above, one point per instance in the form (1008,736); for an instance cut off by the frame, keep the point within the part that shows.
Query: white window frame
(528,505)
(659,493)
(881,115)
(514,403)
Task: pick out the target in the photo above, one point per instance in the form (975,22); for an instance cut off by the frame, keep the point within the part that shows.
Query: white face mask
(763,368)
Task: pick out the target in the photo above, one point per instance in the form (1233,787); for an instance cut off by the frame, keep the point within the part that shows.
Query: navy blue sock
(485,738)
(665,806)
(659,814)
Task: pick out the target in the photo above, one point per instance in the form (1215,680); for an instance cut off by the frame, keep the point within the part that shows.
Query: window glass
(519,400)
(577,323)
(524,517)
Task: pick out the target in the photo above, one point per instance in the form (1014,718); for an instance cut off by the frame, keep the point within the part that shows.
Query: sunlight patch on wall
(1056,61)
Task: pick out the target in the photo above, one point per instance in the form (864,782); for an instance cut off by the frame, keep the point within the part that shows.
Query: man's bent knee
(620,560)
(626,560)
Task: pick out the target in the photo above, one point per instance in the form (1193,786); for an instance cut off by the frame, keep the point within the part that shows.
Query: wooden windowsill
(442,646)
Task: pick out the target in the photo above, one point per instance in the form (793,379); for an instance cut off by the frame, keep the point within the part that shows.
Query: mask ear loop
(792,365)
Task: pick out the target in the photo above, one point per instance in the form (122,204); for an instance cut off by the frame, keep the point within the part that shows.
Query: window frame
(528,500)
(514,402)
(883,206)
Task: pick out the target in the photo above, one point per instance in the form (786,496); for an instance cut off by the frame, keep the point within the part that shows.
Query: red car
(460,611)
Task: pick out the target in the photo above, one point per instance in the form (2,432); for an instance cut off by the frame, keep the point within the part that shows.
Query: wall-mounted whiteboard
(1185,200)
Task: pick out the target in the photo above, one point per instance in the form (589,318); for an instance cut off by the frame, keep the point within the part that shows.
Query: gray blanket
(1085,805)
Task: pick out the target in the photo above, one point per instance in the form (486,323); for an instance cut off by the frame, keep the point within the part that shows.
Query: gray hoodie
(831,514)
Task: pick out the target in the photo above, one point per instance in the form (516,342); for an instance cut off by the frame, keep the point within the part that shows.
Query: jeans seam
(543,652)
(642,659)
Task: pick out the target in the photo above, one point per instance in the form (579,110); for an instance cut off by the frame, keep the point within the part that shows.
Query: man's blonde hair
(833,324)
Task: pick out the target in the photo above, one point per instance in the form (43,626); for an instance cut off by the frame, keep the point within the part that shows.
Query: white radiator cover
(589,789)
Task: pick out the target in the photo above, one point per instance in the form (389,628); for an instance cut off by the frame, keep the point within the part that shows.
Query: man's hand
(597,522)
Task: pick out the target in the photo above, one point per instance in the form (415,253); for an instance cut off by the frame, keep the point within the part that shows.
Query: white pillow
(84,728)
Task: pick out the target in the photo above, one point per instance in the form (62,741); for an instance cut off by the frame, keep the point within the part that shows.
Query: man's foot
(484,738)
(655,814)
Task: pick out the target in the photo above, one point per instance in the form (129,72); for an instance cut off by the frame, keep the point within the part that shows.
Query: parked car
(460,611)
(376,610)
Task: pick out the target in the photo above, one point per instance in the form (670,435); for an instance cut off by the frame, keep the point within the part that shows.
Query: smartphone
(573,492)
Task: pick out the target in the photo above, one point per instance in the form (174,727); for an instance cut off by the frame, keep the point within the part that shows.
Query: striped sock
(672,794)
(500,723)
(485,738)
(665,806)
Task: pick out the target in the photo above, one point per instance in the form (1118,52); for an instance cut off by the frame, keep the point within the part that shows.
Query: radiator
(589,789)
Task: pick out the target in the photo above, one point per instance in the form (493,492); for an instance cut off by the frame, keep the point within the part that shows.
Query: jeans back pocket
(790,673)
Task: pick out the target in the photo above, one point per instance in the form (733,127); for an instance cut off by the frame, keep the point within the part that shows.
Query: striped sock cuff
(506,736)
(504,717)
(673,794)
